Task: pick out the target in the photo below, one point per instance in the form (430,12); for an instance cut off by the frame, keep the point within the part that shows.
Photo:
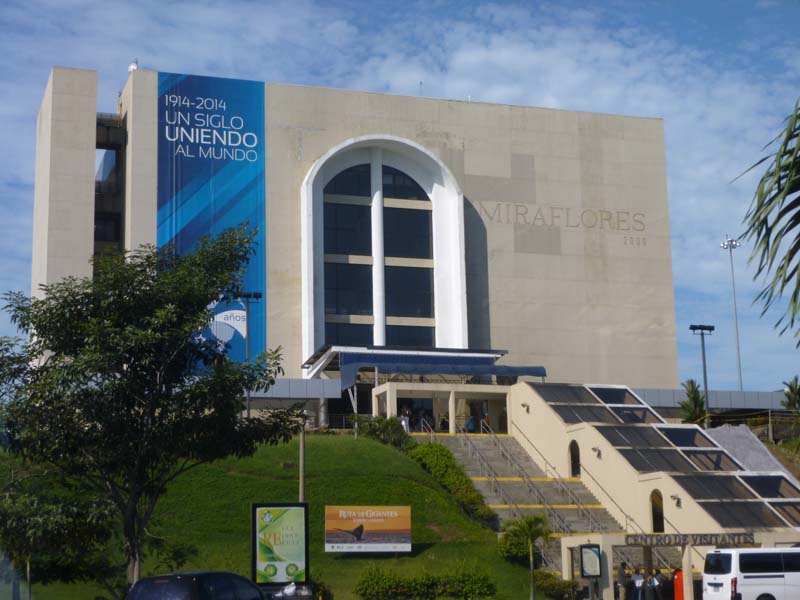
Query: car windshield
(717,564)
(162,589)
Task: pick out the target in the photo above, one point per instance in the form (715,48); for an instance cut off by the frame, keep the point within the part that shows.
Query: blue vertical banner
(211,177)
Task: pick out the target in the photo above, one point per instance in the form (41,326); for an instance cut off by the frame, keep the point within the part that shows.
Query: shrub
(512,548)
(387,431)
(512,543)
(319,588)
(377,584)
(554,587)
(439,462)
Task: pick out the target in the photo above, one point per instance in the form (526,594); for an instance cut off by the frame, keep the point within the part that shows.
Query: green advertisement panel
(279,552)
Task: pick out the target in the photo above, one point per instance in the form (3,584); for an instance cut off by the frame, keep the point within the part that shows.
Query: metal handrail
(558,521)
(425,426)
(566,489)
(484,466)
(592,521)
(629,520)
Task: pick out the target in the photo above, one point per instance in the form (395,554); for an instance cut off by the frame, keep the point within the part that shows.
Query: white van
(752,574)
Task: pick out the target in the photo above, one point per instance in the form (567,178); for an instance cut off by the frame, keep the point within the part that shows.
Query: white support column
(323,412)
(451,412)
(376,404)
(566,562)
(391,401)
(606,569)
(686,567)
(378,285)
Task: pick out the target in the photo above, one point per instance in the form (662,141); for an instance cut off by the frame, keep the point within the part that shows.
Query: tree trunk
(134,564)
(530,555)
(15,595)
(133,550)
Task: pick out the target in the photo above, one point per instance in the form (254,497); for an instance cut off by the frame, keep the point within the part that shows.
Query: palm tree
(791,401)
(529,528)
(773,223)
(693,408)
(791,391)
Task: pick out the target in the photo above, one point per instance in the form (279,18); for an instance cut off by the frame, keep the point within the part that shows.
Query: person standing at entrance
(638,583)
(622,582)
(649,588)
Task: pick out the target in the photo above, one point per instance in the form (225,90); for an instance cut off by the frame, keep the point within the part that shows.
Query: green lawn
(209,507)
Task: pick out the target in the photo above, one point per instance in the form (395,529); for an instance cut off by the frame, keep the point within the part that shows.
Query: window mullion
(378,283)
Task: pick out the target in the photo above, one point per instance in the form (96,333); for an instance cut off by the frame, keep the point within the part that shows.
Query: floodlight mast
(730,244)
(702,331)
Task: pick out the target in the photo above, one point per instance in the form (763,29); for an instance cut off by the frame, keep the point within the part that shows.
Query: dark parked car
(196,586)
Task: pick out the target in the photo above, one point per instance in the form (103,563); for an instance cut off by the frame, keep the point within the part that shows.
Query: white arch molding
(447,202)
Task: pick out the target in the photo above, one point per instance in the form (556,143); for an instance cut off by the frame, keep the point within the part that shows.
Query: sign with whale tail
(367,529)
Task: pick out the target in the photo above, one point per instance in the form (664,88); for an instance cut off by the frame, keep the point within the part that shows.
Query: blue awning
(427,364)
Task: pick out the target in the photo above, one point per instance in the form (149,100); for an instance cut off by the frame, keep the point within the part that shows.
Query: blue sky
(722,74)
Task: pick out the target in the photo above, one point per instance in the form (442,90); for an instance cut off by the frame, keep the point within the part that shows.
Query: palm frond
(773,224)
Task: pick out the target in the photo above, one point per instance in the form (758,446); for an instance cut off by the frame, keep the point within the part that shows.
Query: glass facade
(409,336)
(348,334)
(348,229)
(354,181)
(409,292)
(397,184)
(407,234)
(348,289)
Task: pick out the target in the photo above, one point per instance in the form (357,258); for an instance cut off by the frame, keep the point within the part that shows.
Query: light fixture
(526,406)
(676,499)
(597,451)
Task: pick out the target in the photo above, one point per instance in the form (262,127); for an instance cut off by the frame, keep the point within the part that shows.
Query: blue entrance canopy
(426,363)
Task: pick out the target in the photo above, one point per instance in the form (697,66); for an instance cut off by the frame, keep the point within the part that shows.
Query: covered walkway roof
(348,360)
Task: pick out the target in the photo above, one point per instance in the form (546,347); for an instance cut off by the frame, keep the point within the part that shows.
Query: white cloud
(718,107)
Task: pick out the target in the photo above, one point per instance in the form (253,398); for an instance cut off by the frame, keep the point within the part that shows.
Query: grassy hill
(209,507)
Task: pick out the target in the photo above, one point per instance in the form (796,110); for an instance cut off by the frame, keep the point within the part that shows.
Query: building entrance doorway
(419,412)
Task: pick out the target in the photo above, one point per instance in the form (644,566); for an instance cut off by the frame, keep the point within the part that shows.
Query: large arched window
(407,256)
(383,248)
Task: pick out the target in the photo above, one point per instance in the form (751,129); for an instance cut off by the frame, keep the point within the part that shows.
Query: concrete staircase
(519,486)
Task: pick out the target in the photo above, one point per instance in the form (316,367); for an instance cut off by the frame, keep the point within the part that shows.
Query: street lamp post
(246,298)
(730,245)
(702,331)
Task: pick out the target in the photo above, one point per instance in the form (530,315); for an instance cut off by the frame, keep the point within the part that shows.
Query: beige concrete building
(401,240)
(389,220)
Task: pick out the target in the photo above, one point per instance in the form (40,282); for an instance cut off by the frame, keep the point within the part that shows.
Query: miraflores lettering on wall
(695,539)
(537,215)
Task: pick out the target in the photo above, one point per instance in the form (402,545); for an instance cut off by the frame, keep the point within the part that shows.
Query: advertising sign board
(279,550)
(367,529)
(590,560)
(211,176)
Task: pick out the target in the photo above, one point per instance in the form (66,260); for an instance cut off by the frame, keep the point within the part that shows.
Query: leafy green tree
(693,408)
(116,390)
(773,224)
(791,392)
(524,533)
(47,530)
